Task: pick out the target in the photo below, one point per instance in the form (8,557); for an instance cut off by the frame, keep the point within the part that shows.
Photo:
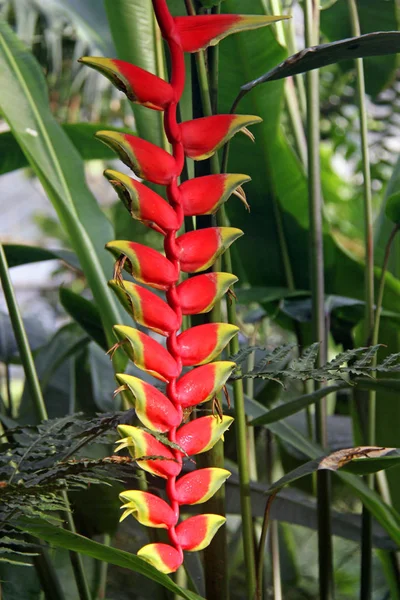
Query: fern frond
(357,361)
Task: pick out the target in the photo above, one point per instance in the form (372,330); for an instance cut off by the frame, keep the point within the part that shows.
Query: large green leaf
(61,538)
(18,254)
(371,44)
(132,27)
(85,313)
(278,179)
(80,134)
(58,165)
(374,16)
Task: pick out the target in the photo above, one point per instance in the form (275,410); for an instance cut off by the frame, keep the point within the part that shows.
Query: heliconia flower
(147,308)
(201,344)
(198,32)
(202,137)
(200,485)
(201,384)
(145,159)
(146,353)
(204,195)
(160,448)
(199,249)
(145,264)
(199,294)
(148,509)
(162,556)
(155,410)
(201,434)
(139,85)
(141,443)
(142,203)
(195,533)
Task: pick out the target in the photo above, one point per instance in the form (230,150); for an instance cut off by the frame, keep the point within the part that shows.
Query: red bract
(197,532)
(204,195)
(200,485)
(201,344)
(196,33)
(142,203)
(161,412)
(145,159)
(198,250)
(153,408)
(200,435)
(199,294)
(146,353)
(139,85)
(202,137)
(146,308)
(153,456)
(148,509)
(201,384)
(145,264)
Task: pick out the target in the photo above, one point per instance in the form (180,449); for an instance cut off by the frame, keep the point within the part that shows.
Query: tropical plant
(310,377)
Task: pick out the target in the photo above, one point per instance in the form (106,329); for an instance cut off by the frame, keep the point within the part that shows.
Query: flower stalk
(169,437)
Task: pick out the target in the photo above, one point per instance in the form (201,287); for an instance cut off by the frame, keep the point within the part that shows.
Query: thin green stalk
(366,531)
(291,102)
(274,531)
(325,555)
(261,547)
(161,72)
(290,34)
(241,444)
(47,574)
(76,558)
(100,580)
(22,339)
(213,55)
(37,397)
(381,287)
(251,430)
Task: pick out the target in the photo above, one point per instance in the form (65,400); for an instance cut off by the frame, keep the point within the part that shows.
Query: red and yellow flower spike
(162,448)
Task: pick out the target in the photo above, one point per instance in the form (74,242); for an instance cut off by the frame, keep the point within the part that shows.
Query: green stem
(161,72)
(325,555)
(101,567)
(22,339)
(274,531)
(261,547)
(76,559)
(37,397)
(213,55)
(366,531)
(291,102)
(381,287)
(241,444)
(8,390)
